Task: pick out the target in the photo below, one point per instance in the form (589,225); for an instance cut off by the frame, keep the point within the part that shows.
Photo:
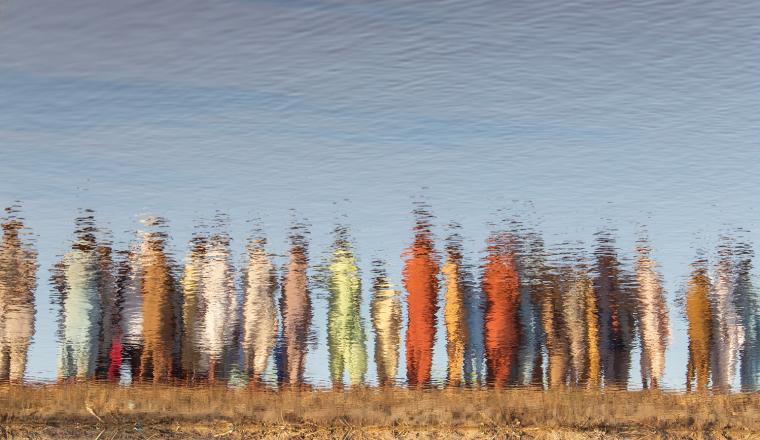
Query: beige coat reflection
(259,311)
(653,315)
(727,329)
(579,288)
(386,322)
(18,270)
(218,302)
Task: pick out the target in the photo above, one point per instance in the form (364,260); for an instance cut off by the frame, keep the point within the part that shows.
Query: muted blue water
(571,116)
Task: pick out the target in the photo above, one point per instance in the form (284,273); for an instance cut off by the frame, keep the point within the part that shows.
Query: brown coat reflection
(109,317)
(594,378)
(158,311)
(552,320)
(699,315)
(615,301)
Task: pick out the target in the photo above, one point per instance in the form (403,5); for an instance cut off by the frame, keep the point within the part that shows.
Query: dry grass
(89,410)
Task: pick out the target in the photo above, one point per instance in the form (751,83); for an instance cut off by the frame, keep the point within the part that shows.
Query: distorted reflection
(18,281)
(421,283)
(566,315)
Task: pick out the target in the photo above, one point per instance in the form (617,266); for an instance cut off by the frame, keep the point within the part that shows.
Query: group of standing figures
(522,316)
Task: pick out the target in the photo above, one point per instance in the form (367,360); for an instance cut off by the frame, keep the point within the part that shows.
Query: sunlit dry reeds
(84,410)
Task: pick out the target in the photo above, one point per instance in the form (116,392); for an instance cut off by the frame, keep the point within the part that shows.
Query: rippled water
(328,192)
(555,316)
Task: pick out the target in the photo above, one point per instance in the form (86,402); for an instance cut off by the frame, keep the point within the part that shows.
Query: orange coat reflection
(421,283)
(501,287)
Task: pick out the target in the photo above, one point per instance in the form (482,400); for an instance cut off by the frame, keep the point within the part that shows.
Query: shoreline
(81,410)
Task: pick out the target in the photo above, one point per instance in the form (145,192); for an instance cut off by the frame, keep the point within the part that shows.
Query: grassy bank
(89,410)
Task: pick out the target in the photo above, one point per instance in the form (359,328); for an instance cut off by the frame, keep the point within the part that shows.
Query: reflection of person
(218,303)
(296,314)
(345,333)
(156,359)
(80,305)
(727,329)
(386,321)
(574,314)
(553,324)
(474,349)
(108,318)
(653,318)
(131,279)
(259,311)
(502,328)
(455,315)
(699,315)
(529,263)
(420,279)
(191,288)
(746,297)
(616,305)
(18,269)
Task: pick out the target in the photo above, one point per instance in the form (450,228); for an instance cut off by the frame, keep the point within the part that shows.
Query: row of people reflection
(522,315)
